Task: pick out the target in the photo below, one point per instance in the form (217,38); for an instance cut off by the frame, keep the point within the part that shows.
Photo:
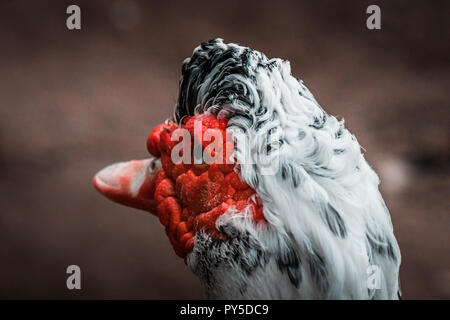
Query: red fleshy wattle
(190,197)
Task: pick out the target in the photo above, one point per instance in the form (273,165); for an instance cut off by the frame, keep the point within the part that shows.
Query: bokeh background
(72,102)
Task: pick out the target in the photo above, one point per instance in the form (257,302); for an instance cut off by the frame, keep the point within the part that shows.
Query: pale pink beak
(129,183)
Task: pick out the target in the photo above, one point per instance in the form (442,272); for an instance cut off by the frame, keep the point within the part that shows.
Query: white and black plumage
(326,220)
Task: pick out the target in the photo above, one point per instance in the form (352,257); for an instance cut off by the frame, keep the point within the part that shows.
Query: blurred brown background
(72,102)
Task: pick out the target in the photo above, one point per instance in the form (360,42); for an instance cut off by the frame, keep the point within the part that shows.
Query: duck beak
(129,183)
